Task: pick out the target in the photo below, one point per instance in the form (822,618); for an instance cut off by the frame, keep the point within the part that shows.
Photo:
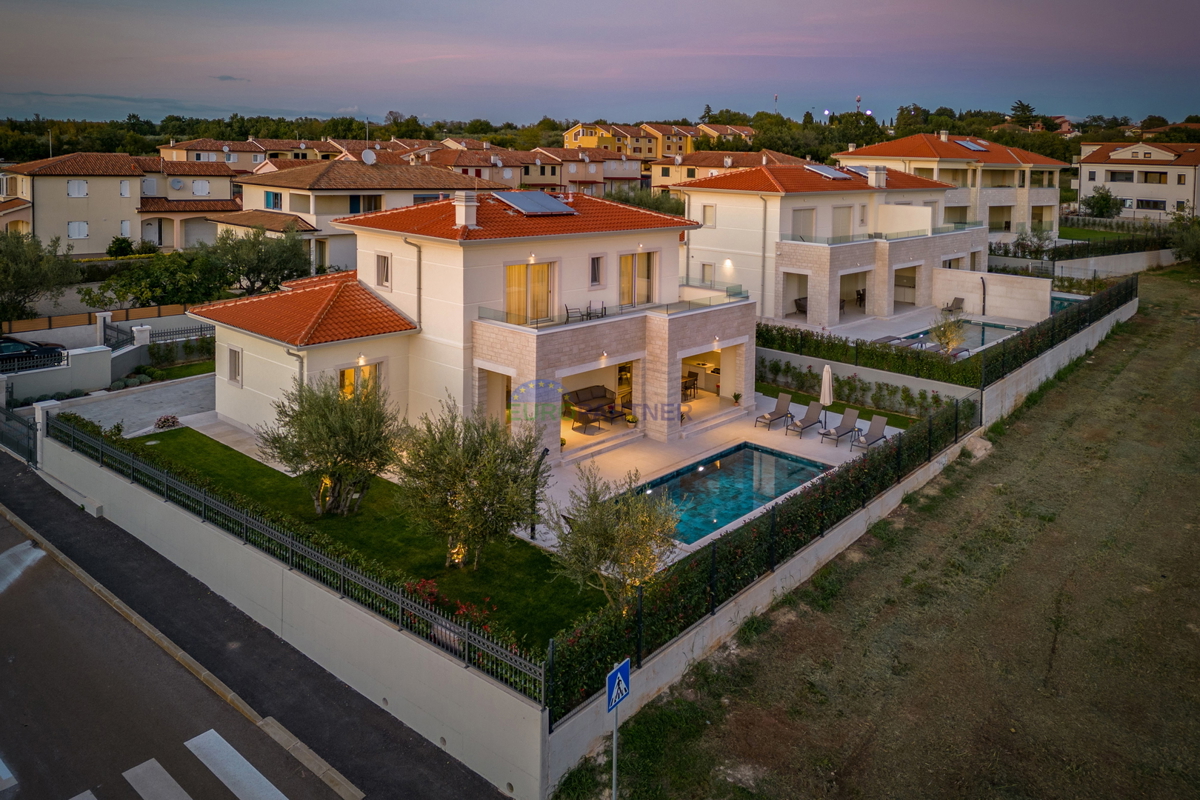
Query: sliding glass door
(637,278)
(527,292)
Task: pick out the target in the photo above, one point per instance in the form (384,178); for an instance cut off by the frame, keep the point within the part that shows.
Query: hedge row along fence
(695,586)
(980,370)
(1089,248)
(343,569)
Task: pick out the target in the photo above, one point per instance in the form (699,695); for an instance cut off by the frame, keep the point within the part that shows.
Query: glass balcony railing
(695,282)
(954,227)
(734,293)
(855,237)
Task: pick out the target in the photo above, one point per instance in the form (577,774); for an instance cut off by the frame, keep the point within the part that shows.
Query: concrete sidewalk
(373,750)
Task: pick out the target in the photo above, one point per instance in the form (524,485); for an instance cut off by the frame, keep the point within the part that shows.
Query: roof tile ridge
(337,287)
(642,210)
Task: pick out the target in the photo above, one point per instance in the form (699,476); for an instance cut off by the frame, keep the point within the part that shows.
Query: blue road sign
(618,684)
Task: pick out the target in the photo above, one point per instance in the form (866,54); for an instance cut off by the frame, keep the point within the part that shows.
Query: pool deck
(652,459)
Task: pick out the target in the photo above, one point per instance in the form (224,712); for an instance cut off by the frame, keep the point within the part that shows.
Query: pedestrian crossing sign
(618,684)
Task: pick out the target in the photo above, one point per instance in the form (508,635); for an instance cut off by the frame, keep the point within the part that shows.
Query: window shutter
(125,228)
(124,188)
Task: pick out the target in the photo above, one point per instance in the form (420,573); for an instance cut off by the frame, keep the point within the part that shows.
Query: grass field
(513,575)
(1026,626)
(188,370)
(1087,233)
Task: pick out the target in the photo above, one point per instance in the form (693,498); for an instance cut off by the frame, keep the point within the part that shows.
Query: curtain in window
(626,297)
(346,381)
(539,291)
(516,293)
(645,275)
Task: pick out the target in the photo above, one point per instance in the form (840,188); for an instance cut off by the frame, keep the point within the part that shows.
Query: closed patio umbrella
(826,388)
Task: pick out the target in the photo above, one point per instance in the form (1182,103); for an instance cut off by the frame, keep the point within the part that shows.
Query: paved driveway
(137,409)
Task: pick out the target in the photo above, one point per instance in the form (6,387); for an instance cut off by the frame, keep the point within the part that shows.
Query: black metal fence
(19,434)
(116,338)
(14,365)
(472,647)
(180,334)
(1141,242)
(698,584)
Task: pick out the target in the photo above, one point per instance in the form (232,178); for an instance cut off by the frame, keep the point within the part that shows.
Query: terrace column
(177,242)
(141,335)
(40,412)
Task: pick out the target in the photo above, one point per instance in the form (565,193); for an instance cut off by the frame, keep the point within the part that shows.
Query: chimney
(764,159)
(852,146)
(877,177)
(944,135)
(487,145)
(172,141)
(465,204)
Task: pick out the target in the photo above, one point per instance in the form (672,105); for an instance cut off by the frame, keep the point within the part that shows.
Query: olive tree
(949,331)
(336,441)
(614,536)
(258,262)
(1101,203)
(470,479)
(31,271)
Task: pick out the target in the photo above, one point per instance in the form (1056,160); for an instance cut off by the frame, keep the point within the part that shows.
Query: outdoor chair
(848,426)
(874,434)
(782,404)
(584,418)
(811,417)
(596,313)
(955,306)
(802,305)
(691,384)
(860,297)
(575,314)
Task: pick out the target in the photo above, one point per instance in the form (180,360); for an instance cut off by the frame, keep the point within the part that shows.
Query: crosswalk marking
(6,776)
(238,775)
(153,782)
(13,562)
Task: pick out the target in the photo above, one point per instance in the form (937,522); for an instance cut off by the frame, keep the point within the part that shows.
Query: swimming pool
(979,334)
(1060,301)
(731,484)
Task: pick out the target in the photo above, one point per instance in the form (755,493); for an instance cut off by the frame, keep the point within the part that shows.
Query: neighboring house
(1150,133)
(503,166)
(1151,179)
(461,143)
(311,196)
(846,242)
(352,148)
(1009,189)
(673,140)
(594,171)
(666,172)
(727,133)
(87,199)
(497,290)
(627,139)
(245,156)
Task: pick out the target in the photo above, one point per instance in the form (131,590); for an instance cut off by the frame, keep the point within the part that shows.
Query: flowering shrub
(166,421)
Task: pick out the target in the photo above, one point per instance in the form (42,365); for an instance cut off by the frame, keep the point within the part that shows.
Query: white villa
(496,297)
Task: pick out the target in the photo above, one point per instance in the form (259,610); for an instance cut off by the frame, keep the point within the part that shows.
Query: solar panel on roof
(967,143)
(535,204)
(827,172)
(860,170)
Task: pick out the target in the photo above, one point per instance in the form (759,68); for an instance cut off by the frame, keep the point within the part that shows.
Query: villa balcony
(728,293)
(888,236)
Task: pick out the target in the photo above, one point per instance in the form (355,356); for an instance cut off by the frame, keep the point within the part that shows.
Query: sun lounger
(847,427)
(874,434)
(811,417)
(782,404)
(955,306)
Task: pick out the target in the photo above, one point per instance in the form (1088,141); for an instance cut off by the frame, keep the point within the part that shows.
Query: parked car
(14,351)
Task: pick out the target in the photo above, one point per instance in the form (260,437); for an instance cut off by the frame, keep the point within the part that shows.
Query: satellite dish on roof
(303,145)
(368,157)
(377,145)
(537,161)
(678,160)
(176,184)
(225,148)
(728,161)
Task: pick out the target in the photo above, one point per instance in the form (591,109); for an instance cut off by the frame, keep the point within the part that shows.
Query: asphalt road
(86,697)
(371,748)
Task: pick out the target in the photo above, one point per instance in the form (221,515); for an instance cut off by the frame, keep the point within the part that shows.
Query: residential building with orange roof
(726,133)
(1152,179)
(570,298)
(87,199)
(624,139)
(502,166)
(465,143)
(670,170)
(1150,133)
(1010,189)
(672,140)
(317,192)
(245,156)
(593,170)
(821,247)
(322,325)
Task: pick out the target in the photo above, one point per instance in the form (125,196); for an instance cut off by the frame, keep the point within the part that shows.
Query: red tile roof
(577,153)
(162,205)
(280,163)
(727,130)
(275,221)
(798,179)
(357,175)
(1186,155)
(84,164)
(929,145)
(472,144)
(210,145)
(200,168)
(673,130)
(460,158)
(496,219)
(15,204)
(324,308)
(716,158)
(294,144)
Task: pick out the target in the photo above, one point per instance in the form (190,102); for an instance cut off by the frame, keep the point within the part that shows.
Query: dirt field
(1027,627)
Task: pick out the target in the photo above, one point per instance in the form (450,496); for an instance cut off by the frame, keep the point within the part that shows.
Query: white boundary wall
(492,729)
(1003,396)
(585,730)
(1096,266)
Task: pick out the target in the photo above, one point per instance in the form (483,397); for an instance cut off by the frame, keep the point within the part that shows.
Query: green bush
(115,385)
(145,248)
(28,401)
(120,246)
(131,382)
(76,393)
(143,379)
(59,396)
(161,355)
(43,398)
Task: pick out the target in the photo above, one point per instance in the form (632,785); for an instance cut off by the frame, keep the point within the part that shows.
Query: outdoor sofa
(590,398)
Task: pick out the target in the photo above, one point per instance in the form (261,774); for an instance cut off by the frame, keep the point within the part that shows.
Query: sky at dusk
(622,60)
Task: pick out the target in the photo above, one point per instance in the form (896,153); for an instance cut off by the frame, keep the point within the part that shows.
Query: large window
(418,199)
(360,377)
(231,158)
(527,291)
(1120,176)
(637,278)
(362,203)
(1154,177)
(149,187)
(1152,205)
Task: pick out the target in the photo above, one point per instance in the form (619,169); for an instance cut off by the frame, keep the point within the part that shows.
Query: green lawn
(1087,233)
(894,420)
(514,576)
(188,370)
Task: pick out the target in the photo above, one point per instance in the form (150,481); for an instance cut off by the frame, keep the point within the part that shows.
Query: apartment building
(1152,180)
(727,133)
(673,140)
(87,199)
(822,246)
(625,139)
(310,197)
(510,167)
(245,156)
(1009,189)
(668,171)
(593,171)
(507,301)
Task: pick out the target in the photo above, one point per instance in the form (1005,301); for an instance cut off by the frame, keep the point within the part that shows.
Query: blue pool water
(979,334)
(725,487)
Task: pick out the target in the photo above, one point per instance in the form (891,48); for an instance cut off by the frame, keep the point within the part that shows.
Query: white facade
(1151,181)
